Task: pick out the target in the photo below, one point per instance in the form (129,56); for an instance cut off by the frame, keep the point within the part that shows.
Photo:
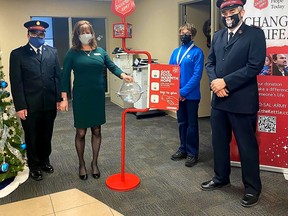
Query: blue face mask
(36,41)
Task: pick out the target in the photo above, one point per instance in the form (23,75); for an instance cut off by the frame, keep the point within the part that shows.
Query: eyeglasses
(37,34)
(186,34)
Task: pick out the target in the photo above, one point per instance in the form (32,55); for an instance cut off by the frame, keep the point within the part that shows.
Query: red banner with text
(272,128)
(163,92)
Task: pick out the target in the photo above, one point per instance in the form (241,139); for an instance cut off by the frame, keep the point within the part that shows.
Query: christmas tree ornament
(3,84)
(23,146)
(4,167)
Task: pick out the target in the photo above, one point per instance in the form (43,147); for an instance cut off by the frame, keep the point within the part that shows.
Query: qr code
(267,124)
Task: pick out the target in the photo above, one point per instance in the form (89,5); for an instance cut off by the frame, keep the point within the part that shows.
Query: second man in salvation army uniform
(35,86)
(236,57)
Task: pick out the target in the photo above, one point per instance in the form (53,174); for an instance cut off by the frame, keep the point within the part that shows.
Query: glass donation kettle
(130,92)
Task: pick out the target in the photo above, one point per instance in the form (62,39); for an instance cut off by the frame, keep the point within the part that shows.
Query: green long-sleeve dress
(88,86)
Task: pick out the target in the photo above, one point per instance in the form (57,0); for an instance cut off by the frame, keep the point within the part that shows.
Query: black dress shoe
(47,168)
(36,175)
(211,185)
(178,156)
(249,200)
(191,161)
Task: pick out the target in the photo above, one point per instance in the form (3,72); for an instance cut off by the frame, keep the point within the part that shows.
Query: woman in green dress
(88,63)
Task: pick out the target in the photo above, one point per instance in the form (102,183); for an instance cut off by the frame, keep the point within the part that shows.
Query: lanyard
(178,55)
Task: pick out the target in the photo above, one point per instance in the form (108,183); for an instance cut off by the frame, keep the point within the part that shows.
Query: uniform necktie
(230,36)
(38,52)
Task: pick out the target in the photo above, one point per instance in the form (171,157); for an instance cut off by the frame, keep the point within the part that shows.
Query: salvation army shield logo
(260,4)
(123,8)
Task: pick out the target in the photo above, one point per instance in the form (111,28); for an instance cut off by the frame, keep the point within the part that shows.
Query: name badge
(97,54)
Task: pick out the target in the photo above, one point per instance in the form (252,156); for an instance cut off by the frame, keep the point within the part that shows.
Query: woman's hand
(126,77)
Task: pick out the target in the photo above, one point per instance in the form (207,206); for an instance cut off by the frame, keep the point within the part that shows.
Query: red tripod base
(118,183)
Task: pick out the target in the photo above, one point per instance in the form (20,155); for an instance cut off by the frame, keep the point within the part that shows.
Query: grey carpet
(167,187)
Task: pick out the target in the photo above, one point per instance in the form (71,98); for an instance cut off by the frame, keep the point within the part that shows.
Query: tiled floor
(66,203)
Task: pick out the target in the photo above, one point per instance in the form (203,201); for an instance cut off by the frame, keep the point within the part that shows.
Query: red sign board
(272,130)
(163,92)
(123,8)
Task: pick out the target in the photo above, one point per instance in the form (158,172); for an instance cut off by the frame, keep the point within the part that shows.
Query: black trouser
(38,128)
(243,127)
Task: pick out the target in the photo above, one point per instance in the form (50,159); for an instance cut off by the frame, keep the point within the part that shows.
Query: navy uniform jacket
(238,63)
(35,82)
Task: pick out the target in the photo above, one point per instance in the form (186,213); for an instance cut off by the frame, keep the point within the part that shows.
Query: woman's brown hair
(78,29)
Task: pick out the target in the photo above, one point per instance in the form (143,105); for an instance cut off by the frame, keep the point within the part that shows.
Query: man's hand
(222,93)
(217,85)
(64,105)
(58,105)
(22,114)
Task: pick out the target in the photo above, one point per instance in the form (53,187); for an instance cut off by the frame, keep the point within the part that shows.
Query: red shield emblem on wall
(260,4)
(123,8)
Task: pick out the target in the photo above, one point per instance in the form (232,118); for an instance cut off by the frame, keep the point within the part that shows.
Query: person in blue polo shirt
(190,58)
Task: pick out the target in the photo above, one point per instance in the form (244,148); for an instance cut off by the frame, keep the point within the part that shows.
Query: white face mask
(85,38)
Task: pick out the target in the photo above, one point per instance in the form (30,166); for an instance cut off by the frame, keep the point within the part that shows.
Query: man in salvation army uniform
(236,57)
(35,86)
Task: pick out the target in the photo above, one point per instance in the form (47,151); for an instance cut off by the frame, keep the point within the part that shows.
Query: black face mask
(185,39)
(231,21)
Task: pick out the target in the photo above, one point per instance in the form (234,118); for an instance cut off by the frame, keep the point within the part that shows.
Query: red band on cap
(38,28)
(231,3)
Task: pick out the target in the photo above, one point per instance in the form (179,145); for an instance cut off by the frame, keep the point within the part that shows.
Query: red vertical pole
(123,145)
(126,181)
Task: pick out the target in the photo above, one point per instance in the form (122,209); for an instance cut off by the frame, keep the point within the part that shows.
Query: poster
(163,92)
(272,127)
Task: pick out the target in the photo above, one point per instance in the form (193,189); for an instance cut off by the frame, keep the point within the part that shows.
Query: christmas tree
(12,146)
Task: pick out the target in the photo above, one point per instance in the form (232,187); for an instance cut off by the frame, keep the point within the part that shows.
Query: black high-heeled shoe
(95,175)
(83,177)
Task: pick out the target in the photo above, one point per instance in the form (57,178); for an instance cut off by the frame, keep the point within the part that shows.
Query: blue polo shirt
(191,70)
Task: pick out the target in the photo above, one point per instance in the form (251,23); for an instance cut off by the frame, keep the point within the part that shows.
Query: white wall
(155,27)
